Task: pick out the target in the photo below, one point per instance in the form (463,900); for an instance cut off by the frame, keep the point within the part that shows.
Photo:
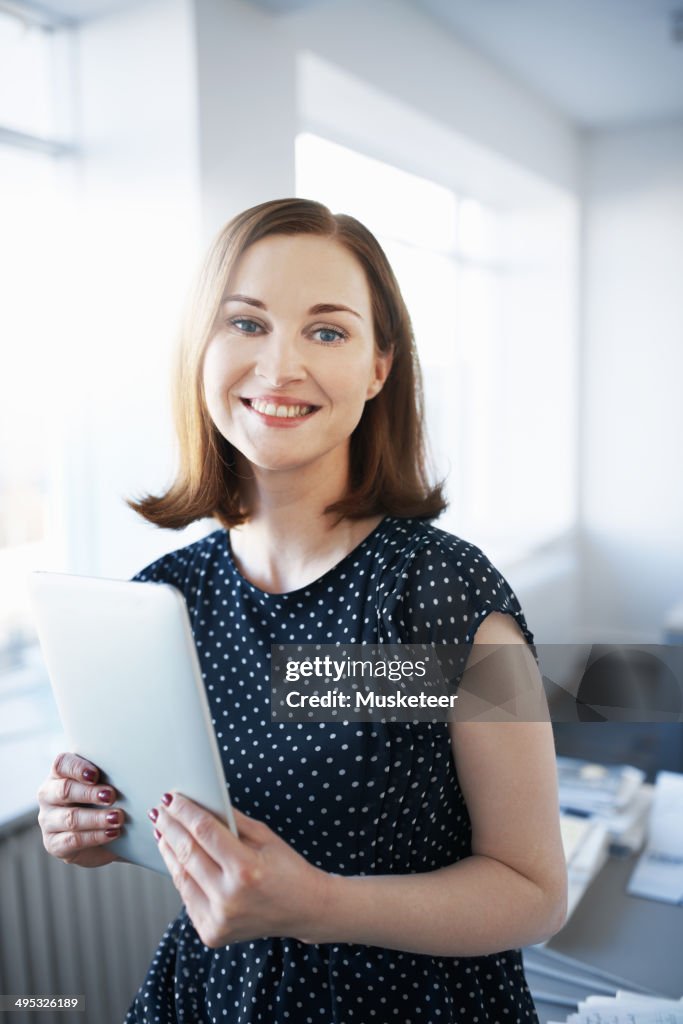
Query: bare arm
(511,892)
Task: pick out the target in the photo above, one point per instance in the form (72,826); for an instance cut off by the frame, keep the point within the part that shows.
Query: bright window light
(34,254)
(428,284)
(389,201)
(30,396)
(478,231)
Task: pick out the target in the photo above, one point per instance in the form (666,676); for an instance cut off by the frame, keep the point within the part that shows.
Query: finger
(66,844)
(192,894)
(75,767)
(79,819)
(251,831)
(189,851)
(210,833)
(65,790)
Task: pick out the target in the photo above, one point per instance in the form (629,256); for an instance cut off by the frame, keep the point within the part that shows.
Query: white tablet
(129,691)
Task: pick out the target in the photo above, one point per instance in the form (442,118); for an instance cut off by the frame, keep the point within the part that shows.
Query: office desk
(613,940)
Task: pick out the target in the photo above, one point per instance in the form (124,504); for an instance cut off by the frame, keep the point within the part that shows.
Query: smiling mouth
(288,412)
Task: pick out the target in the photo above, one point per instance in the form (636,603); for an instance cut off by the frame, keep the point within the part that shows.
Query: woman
(384,871)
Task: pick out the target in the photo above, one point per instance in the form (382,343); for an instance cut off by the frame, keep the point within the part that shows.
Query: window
(26,75)
(34,206)
(490,292)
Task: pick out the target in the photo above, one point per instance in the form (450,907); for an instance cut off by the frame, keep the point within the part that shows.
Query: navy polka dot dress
(354,799)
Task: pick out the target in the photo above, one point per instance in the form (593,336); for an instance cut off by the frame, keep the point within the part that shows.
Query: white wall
(342,66)
(632,499)
(139,243)
(394,47)
(247,109)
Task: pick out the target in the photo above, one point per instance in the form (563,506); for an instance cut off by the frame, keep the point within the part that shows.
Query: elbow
(555,910)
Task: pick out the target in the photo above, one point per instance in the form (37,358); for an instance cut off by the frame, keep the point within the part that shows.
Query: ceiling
(71,10)
(603,63)
(87,10)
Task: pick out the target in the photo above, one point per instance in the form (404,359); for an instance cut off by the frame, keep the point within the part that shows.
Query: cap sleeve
(185,569)
(163,570)
(489,592)
(444,593)
(181,568)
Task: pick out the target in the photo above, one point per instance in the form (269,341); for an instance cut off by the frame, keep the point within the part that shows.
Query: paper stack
(659,872)
(597,788)
(585,842)
(615,795)
(626,1008)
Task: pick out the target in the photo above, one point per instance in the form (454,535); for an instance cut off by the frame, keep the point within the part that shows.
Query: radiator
(75,931)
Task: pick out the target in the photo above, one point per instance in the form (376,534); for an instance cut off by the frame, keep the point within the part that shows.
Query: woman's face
(292,361)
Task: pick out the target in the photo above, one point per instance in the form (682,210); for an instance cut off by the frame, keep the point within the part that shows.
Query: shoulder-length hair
(388,457)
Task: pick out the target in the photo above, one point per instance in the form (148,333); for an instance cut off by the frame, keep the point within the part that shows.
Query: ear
(383,364)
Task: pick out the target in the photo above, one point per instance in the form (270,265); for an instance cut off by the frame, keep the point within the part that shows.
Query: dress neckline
(287,594)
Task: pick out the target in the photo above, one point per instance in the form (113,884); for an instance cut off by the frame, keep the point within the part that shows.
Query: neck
(289,540)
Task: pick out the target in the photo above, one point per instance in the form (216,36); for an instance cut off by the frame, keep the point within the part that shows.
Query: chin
(279,465)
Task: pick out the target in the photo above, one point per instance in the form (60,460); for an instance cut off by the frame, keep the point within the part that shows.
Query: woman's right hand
(76,814)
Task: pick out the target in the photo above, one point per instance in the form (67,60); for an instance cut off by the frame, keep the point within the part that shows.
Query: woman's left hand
(234,889)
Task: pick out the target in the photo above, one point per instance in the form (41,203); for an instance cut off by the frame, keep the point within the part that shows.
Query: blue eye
(325,335)
(330,335)
(251,328)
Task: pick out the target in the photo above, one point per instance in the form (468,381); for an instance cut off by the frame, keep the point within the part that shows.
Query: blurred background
(522,163)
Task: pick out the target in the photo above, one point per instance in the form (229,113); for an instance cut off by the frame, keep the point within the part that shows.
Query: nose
(280,360)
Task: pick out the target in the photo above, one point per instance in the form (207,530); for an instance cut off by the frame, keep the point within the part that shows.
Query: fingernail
(167,797)
(157,834)
(104,796)
(113,817)
(111,832)
(89,775)
(153,814)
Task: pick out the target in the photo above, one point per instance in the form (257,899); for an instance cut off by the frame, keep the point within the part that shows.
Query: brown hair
(388,468)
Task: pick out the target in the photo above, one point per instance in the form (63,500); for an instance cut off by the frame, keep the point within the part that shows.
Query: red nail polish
(111,832)
(167,797)
(113,818)
(89,775)
(104,796)
(157,834)
(153,814)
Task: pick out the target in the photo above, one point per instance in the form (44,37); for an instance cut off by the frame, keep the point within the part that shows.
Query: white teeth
(284,411)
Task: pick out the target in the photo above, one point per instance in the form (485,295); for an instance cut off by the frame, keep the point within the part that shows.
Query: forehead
(301,269)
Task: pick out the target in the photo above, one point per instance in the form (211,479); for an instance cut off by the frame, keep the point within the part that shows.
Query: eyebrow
(320,307)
